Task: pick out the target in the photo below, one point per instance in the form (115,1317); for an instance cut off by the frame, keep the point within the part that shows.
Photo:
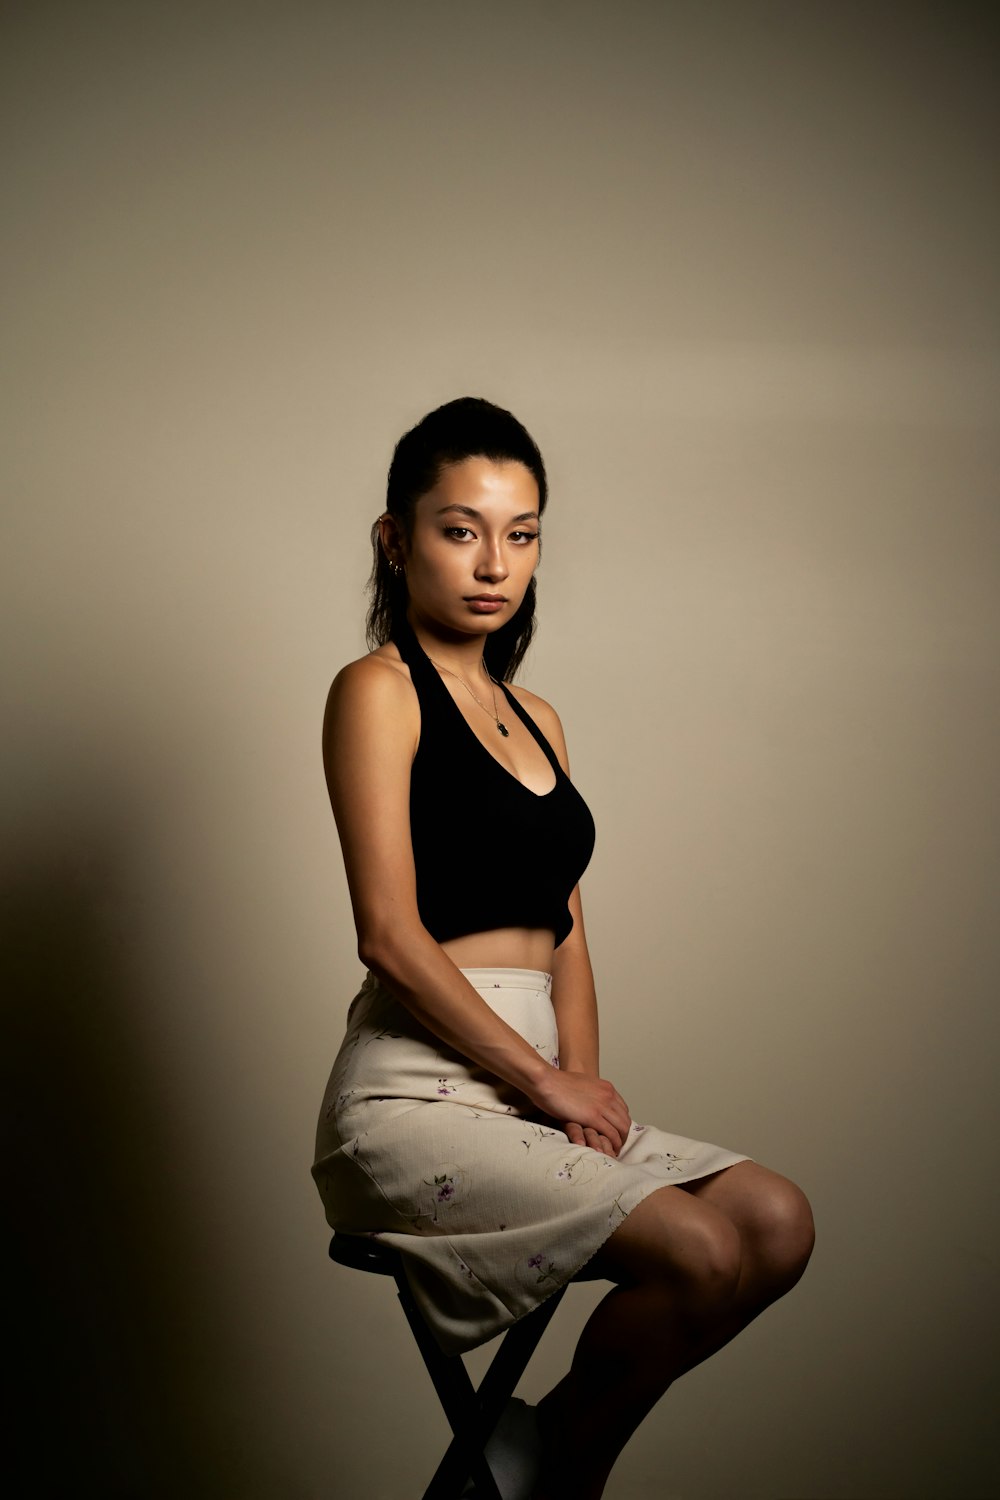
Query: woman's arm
(370,735)
(574,1000)
(574,997)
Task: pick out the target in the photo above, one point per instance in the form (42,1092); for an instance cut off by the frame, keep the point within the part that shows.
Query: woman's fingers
(617,1122)
(622,1120)
(580,1135)
(600,1142)
(615,1112)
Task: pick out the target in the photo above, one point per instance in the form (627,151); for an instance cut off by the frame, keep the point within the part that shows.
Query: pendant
(503,730)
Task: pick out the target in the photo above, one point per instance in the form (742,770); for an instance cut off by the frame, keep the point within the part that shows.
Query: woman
(466,1121)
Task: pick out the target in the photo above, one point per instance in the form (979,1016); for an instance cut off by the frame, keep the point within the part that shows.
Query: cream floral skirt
(492,1210)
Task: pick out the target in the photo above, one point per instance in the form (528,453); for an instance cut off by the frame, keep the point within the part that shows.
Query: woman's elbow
(381,944)
(371,947)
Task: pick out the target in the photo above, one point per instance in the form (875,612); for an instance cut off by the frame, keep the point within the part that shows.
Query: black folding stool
(472,1413)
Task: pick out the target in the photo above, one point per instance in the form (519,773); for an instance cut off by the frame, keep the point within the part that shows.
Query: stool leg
(473,1414)
(495,1390)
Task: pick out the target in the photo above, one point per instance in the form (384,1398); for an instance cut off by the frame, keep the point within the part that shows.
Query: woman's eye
(459,534)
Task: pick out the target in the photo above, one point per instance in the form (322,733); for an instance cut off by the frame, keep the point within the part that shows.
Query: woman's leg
(694,1267)
(774,1221)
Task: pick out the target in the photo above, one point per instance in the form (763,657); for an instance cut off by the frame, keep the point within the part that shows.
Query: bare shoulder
(376,687)
(372,670)
(544,716)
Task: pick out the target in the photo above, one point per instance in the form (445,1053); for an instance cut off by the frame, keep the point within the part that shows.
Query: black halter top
(488,851)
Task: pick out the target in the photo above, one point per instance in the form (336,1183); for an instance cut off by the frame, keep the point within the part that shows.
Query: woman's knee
(782,1231)
(712,1262)
(672,1239)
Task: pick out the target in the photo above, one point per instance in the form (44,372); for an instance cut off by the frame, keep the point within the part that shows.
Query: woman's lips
(486,606)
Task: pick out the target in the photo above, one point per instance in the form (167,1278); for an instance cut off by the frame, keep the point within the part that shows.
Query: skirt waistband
(509,979)
(491,979)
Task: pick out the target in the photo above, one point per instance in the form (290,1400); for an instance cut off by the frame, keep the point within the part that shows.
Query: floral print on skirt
(492,1207)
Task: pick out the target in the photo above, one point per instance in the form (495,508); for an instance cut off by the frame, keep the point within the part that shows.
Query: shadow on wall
(104,1272)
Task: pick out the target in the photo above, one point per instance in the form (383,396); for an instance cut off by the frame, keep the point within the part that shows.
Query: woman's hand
(595,1112)
(589,1137)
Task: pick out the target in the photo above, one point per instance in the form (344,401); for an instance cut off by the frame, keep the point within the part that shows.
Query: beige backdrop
(734,264)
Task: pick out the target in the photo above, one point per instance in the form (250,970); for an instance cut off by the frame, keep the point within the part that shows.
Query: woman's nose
(491,564)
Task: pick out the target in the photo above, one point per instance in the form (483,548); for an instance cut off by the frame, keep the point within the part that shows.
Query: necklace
(493,714)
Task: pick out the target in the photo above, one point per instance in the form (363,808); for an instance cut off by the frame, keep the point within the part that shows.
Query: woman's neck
(457,652)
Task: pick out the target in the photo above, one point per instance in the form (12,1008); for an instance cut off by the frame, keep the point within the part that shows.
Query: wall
(735,266)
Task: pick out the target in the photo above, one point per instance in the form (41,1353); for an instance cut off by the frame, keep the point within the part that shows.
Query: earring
(396,569)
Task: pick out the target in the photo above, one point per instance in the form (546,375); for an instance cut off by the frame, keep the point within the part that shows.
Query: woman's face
(474,546)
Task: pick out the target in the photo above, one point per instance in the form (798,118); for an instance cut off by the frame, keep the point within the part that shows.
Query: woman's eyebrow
(466,510)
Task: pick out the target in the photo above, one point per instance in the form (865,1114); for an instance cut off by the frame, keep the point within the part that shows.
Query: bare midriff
(504,948)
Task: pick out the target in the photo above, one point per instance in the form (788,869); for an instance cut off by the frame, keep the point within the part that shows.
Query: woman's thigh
(745,1219)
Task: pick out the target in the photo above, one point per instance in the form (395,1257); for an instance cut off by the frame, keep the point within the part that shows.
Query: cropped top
(488,851)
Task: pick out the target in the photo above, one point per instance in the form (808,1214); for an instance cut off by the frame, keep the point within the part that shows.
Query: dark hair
(467,428)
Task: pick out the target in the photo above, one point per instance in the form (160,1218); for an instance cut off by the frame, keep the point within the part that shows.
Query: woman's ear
(391,539)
